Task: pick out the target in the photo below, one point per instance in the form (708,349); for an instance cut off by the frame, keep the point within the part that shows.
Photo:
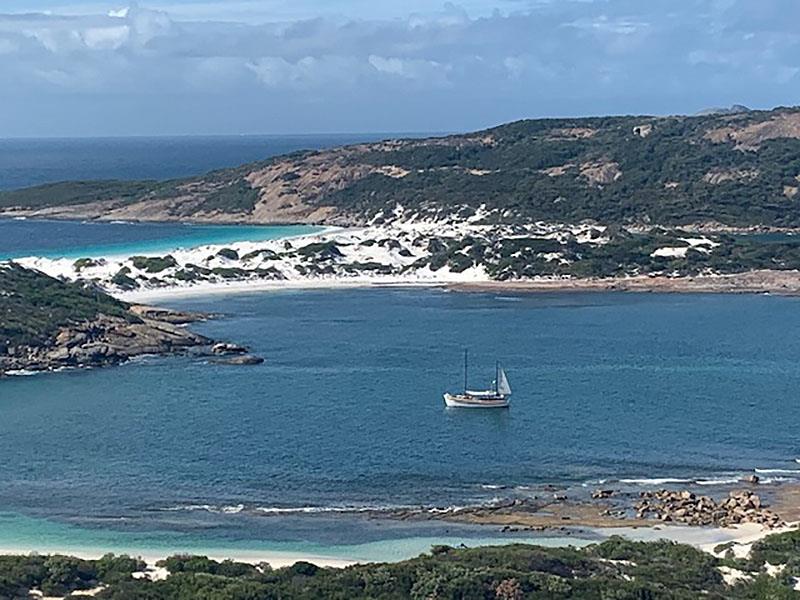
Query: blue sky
(88,67)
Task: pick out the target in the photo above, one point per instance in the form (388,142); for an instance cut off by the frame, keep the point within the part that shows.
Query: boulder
(601,494)
(225,348)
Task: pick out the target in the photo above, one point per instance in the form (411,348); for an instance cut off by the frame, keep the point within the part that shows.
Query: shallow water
(347,410)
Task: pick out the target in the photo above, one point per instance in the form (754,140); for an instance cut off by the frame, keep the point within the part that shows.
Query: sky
(176,67)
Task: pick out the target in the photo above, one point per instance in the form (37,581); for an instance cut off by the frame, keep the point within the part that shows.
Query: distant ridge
(731,110)
(736,167)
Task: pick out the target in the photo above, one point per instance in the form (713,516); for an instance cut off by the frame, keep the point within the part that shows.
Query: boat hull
(461,401)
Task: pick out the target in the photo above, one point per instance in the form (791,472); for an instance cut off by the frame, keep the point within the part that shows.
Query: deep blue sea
(347,411)
(26,162)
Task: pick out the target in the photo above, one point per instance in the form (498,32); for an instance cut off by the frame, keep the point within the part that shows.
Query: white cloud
(481,66)
(309,72)
(119,14)
(425,71)
(106,38)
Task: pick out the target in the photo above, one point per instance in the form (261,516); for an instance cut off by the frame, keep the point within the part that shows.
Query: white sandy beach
(398,255)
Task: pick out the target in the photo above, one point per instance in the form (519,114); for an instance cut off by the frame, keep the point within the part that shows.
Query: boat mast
(466,351)
(497,378)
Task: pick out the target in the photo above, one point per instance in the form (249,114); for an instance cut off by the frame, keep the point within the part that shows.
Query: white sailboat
(495,398)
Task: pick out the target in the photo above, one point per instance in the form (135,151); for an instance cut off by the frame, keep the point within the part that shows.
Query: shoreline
(783,283)
(405,254)
(400,549)
(786,283)
(151,557)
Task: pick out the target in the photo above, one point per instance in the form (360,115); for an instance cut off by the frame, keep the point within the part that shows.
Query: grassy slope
(674,153)
(34,306)
(662,175)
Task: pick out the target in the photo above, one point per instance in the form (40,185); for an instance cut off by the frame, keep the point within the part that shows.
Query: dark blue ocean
(347,411)
(26,162)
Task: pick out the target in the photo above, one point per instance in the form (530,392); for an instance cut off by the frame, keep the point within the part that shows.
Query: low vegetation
(615,569)
(33,306)
(736,169)
(623,254)
(154,264)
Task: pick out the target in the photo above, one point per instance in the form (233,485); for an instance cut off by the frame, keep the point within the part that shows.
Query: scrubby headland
(47,324)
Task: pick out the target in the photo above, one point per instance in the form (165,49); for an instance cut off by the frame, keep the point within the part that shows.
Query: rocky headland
(104,340)
(47,324)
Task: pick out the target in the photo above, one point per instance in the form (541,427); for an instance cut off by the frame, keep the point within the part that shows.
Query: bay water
(346,413)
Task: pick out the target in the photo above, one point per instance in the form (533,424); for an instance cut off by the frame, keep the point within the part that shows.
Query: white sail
(502,384)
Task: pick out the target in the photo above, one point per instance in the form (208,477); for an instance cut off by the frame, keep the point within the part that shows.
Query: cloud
(170,66)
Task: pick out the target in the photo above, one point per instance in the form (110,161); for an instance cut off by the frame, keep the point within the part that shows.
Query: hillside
(46,324)
(739,170)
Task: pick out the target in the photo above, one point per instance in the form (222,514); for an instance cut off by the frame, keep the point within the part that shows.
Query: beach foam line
(778,471)
(771,480)
(277,510)
(306,510)
(720,481)
(228,510)
(656,481)
(312,510)
(281,510)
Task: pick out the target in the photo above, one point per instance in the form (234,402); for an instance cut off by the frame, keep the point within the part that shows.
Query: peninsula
(47,324)
(703,203)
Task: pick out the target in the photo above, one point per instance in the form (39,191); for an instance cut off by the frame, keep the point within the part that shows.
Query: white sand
(395,254)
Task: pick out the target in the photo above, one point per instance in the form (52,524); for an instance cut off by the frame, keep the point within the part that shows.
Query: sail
(502,383)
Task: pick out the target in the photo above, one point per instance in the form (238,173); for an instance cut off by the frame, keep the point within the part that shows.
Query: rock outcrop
(691,509)
(104,340)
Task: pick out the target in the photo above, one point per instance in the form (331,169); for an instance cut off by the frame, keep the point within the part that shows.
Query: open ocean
(27,162)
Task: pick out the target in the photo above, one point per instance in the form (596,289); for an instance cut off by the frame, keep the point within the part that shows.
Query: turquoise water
(346,413)
(78,239)
(23,534)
